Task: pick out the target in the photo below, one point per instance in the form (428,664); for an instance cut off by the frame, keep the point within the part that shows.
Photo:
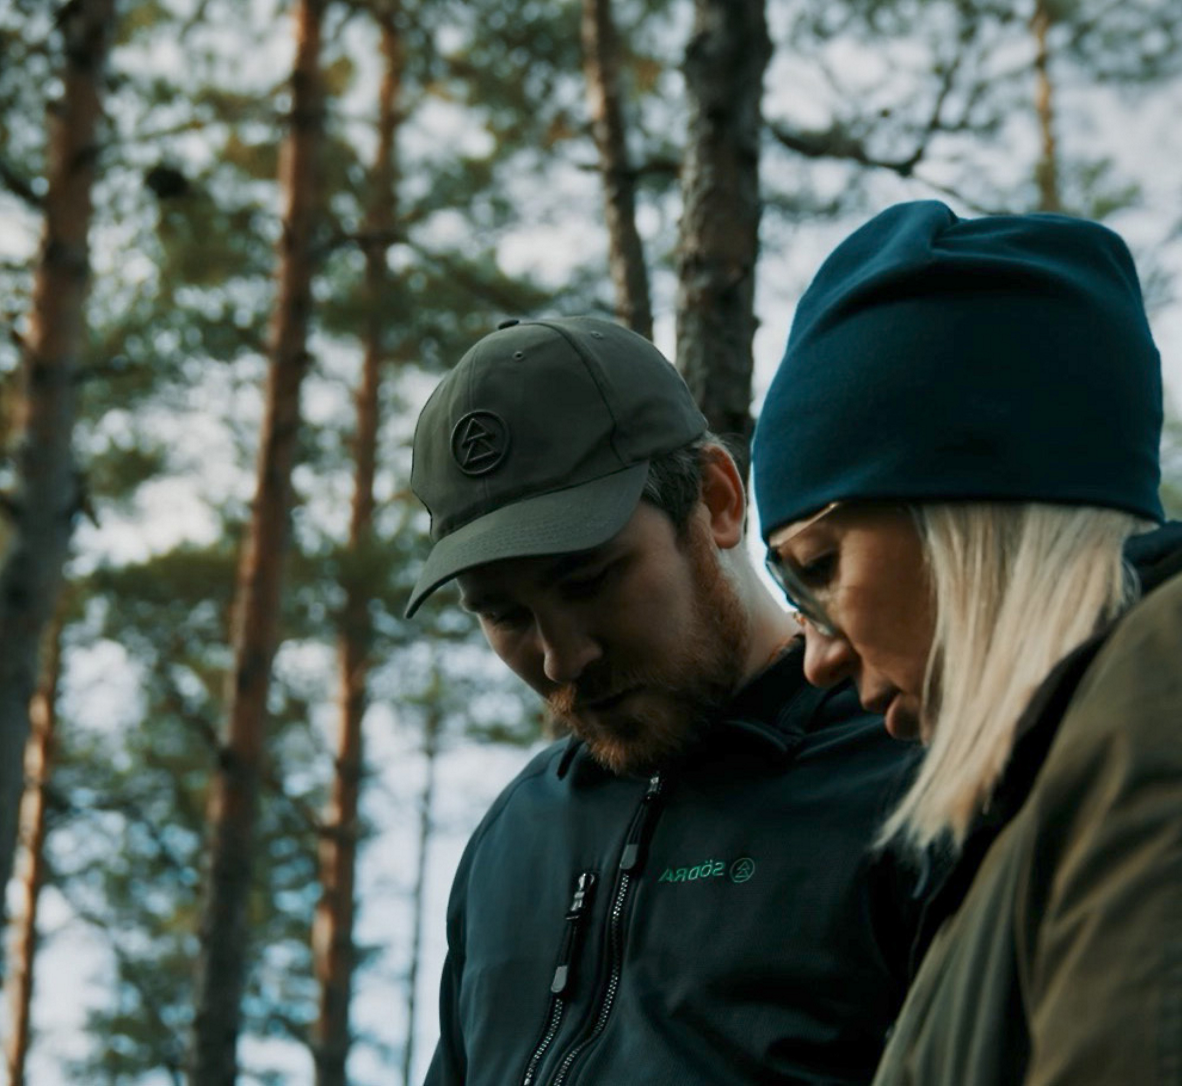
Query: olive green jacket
(1063,964)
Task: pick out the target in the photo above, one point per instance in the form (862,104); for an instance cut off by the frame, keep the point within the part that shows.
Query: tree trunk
(1047,170)
(47,495)
(431,729)
(234,794)
(38,764)
(719,238)
(601,65)
(332,939)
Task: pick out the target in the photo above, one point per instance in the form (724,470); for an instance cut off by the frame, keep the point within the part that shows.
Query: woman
(950,466)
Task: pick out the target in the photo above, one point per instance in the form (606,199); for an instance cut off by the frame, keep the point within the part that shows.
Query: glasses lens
(799,598)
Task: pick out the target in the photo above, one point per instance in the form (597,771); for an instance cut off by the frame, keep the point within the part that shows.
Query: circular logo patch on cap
(479,442)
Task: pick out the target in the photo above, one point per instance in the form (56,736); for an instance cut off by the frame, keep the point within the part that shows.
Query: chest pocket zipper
(576,916)
(631,863)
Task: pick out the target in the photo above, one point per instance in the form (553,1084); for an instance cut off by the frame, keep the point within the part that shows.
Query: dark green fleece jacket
(723,922)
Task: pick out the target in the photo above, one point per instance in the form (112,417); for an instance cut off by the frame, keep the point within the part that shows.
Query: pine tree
(47,497)
(332,938)
(719,243)
(601,63)
(129,816)
(234,800)
(953,93)
(39,760)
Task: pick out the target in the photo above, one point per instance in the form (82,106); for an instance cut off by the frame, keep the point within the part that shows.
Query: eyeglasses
(806,607)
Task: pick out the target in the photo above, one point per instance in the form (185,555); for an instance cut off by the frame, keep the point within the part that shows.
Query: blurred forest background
(239,242)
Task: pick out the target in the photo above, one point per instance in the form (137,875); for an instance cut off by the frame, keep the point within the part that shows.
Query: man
(684,892)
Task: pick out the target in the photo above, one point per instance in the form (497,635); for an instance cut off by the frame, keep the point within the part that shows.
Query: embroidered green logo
(741,870)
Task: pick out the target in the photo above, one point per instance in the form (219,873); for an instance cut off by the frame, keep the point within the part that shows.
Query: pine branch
(208,733)
(194,20)
(664,166)
(835,142)
(293,1027)
(10,507)
(1089,25)
(137,975)
(658,166)
(480,288)
(19,186)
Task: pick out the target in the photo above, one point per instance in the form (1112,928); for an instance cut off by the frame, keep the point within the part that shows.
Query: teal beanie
(935,358)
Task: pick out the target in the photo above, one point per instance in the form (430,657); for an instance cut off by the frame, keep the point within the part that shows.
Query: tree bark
(39,757)
(332,936)
(601,66)
(234,793)
(719,237)
(47,494)
(1047,170)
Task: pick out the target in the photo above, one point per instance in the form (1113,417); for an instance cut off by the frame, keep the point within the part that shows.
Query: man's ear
(724,496)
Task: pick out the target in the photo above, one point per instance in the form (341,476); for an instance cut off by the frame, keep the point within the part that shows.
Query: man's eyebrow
(481,599)
(573,563)
(562,566)
(474,603)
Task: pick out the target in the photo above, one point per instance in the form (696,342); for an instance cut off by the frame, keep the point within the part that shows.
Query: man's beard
(682,695)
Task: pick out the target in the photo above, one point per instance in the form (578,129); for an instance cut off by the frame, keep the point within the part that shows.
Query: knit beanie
(935,358)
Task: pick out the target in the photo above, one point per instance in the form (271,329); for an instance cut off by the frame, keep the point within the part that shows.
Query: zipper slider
(630,858)
(580,903)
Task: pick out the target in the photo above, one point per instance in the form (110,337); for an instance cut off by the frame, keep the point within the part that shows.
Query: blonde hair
(1016,587)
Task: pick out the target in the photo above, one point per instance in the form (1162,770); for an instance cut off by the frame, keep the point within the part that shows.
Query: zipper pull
(580,903)
(630,858)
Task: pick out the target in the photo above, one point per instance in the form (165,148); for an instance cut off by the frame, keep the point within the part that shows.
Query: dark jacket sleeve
(449,1066)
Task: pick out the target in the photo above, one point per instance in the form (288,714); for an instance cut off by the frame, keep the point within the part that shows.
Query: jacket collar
(777,708)
(1037,728)
(1157,554)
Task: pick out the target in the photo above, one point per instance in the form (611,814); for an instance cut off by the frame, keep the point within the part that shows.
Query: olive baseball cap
(539,441)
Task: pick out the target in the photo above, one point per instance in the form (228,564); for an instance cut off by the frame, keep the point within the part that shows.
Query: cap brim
(560,522)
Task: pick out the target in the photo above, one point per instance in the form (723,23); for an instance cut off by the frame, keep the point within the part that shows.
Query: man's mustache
(570,698)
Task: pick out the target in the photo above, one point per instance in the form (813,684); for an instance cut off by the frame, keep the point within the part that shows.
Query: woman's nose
(827,660)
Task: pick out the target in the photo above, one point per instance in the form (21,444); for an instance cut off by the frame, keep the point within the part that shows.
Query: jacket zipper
(630,861)
(575,915)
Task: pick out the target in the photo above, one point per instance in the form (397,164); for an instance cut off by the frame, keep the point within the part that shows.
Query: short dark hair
(674,483)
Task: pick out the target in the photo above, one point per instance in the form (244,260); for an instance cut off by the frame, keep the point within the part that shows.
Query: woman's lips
(895,718)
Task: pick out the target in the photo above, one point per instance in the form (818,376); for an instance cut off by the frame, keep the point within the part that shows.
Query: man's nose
(827,660)
(568,647)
